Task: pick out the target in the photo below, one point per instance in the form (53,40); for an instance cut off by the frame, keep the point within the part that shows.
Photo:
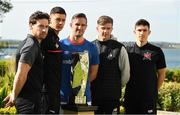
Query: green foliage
(6,79)
(173,75)
(5,6)
(6,82)
(3,68)
(6,87)
(7,67)
(9,43)
(12,110)
(3,94)
(169,96)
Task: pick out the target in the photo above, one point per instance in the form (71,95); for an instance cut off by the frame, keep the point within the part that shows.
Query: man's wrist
(13,97)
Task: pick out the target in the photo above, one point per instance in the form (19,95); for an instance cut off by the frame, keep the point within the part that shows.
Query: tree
(5,6)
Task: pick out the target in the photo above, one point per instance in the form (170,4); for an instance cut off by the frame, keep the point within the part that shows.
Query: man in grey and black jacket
(114,70)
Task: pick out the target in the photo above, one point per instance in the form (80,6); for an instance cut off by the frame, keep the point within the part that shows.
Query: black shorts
(26,106)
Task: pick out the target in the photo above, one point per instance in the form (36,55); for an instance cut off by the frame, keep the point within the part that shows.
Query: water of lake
(172,57)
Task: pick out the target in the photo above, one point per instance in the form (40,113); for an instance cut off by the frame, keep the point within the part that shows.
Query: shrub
(3,68)
(7,66)
(169,96)
(6,78)
(12,110)
(173,75)
(6,87)
(3,94)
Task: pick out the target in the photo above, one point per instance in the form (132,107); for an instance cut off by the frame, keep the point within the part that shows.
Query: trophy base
(79,109)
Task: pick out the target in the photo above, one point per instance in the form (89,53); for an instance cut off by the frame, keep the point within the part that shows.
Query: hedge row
(169,97)
(173,75)
(11,110)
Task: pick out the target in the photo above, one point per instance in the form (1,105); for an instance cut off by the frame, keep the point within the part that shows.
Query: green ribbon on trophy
(80,76)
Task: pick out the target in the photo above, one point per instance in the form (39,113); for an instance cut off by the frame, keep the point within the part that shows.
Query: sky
(163,15)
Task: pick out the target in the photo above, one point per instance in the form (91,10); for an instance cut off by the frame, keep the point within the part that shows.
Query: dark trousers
(140,108)
(50,100)
(105,106)
(26,106)
(53,103)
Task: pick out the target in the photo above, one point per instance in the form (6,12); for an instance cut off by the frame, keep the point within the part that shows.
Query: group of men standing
(44,61)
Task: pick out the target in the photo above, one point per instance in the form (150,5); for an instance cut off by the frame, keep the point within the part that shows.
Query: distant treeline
(167,45)
(15,43)
(9,43)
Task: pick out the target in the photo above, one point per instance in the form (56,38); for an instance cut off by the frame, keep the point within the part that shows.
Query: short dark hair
(38,15)
(102,20)
(79,15)
(142,22)
(58,10)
